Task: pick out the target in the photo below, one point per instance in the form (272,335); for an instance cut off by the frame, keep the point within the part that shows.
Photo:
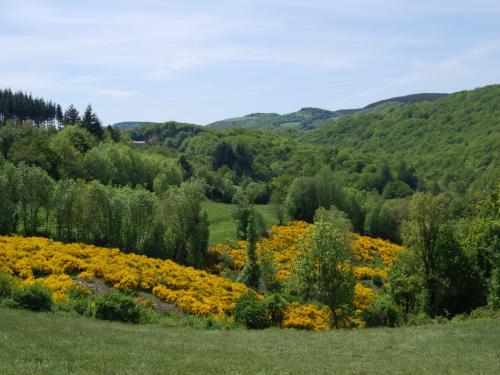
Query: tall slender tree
(91,122)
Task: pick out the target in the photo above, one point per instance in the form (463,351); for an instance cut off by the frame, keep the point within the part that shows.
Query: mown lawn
(222,226)
(44,343)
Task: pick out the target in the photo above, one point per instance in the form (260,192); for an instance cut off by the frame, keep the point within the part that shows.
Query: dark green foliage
(301,200)
(251,311)
(71,116)
(22,107)
(494,290)
(224,155)
(33,297)
(382,312)
(437,272)
(276,306)
(116,306)
(91,123)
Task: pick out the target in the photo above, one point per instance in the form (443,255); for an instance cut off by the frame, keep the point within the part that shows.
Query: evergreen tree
(71,116)
(59,115)
(91,122)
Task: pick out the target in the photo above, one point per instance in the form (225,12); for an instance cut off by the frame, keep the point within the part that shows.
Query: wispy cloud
(272,53)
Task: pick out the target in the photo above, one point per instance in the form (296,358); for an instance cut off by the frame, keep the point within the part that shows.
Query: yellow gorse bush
(307,317)
(283,245)
(370,253)
(50,263)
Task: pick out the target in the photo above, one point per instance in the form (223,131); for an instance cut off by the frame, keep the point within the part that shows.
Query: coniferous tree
(59,115)
(91,122)
(71,116)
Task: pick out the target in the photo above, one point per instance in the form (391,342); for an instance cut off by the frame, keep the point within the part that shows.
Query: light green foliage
(222,226)
(169,176)
(186,226)
(452,141)
(241,212)
(250,311)
(251,273)
(33,189)
(322,269)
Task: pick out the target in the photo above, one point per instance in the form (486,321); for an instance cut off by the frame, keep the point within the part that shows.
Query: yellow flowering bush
(282,245)
(363,273)
(50,263)
(307,317)
(362,297)
(57,283)
(368,250)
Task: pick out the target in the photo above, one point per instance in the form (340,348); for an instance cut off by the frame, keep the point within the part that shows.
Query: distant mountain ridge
(306,118)
(310,118)
(133,124)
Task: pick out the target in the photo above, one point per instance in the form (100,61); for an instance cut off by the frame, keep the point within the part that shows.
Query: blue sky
(201,61)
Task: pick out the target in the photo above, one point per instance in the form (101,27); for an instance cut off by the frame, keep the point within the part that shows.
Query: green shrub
(377,280)
(8,285)
(33,297)
(382,312)
(419,319)
(251,311)
(116,306)
(77,302)
(275,306)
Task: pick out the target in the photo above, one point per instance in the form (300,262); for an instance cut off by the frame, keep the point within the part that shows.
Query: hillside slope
(453,142)
(310,118)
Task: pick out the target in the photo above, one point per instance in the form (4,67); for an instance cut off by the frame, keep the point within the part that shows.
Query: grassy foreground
(222,225)
(53,344)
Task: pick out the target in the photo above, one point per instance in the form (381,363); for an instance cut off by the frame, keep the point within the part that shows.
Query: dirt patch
(98,286)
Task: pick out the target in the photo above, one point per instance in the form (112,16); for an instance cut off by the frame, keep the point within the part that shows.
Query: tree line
(169,224)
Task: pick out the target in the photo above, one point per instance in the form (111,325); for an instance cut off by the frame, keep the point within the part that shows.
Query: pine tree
(59,114)
(91,122)
(71,116)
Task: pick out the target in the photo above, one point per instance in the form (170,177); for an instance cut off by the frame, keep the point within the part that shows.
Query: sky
(200,61)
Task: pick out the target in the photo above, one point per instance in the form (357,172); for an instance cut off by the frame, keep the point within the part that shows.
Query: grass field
(222,226)
(45,343)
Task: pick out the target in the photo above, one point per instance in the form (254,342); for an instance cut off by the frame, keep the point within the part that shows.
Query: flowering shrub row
(282,245)
(50,263)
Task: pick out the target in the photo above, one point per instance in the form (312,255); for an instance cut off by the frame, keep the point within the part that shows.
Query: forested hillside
(310,118)
(453,142)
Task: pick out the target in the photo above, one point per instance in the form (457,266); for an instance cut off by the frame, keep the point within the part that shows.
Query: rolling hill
(304,119)
(453,141)
(310,118)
